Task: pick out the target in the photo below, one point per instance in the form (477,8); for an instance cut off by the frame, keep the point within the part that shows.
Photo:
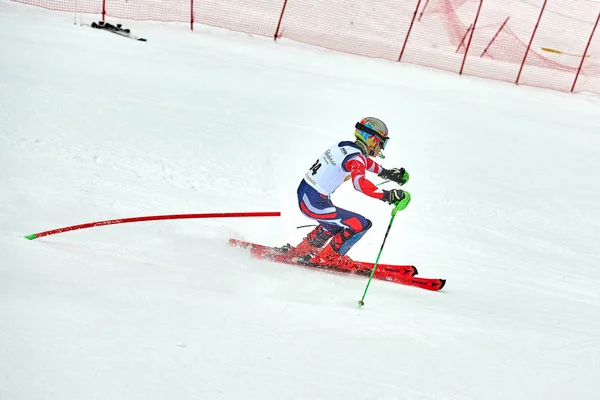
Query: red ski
(402,274)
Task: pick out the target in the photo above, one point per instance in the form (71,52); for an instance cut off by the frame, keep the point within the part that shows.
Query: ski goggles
(382,139)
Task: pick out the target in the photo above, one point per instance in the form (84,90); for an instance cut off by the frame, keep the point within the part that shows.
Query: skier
(345,160)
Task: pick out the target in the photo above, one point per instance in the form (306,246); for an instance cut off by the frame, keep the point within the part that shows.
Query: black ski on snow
(116,29)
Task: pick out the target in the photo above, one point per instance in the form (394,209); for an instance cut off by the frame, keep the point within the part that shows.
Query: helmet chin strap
(365,149)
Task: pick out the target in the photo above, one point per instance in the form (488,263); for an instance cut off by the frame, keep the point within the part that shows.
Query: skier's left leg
(351,228)
(317,207)
(345,227)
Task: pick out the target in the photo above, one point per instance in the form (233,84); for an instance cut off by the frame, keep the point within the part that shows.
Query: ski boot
(311,244)
(334,255)
(330,257)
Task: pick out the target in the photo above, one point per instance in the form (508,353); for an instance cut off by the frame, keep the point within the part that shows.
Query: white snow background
(505,186)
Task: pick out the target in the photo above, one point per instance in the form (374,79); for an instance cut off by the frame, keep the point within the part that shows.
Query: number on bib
(316,166)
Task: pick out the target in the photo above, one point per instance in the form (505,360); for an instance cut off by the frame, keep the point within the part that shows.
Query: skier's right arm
(357,167)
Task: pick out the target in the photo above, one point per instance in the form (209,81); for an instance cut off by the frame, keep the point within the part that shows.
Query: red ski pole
(152,218)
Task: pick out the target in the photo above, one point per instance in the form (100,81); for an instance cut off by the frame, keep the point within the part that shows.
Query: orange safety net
(552,44)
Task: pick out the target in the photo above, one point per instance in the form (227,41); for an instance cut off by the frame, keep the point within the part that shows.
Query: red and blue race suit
(342,161)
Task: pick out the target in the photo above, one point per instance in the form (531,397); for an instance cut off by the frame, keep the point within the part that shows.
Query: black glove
(400,176)
(393,196)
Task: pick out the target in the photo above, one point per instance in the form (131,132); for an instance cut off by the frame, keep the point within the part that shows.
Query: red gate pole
(103,9)
(279,22)
(585,53)
(409,29)
(192,15)
(152,218)
(495,36)
(463,38)
(423,10)
(531,41)
(471,37)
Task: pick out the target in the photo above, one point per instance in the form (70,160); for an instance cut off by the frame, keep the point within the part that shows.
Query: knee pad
(349,238)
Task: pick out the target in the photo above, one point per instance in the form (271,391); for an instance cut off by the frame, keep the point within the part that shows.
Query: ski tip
(30,237)
(416,271)
(443,284)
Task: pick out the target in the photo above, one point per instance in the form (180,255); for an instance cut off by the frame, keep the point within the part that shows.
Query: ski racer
(343,161)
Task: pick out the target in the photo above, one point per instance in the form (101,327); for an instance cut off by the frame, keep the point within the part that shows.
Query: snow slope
(94,126)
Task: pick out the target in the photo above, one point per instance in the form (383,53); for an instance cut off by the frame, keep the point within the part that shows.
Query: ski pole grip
(402,204)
